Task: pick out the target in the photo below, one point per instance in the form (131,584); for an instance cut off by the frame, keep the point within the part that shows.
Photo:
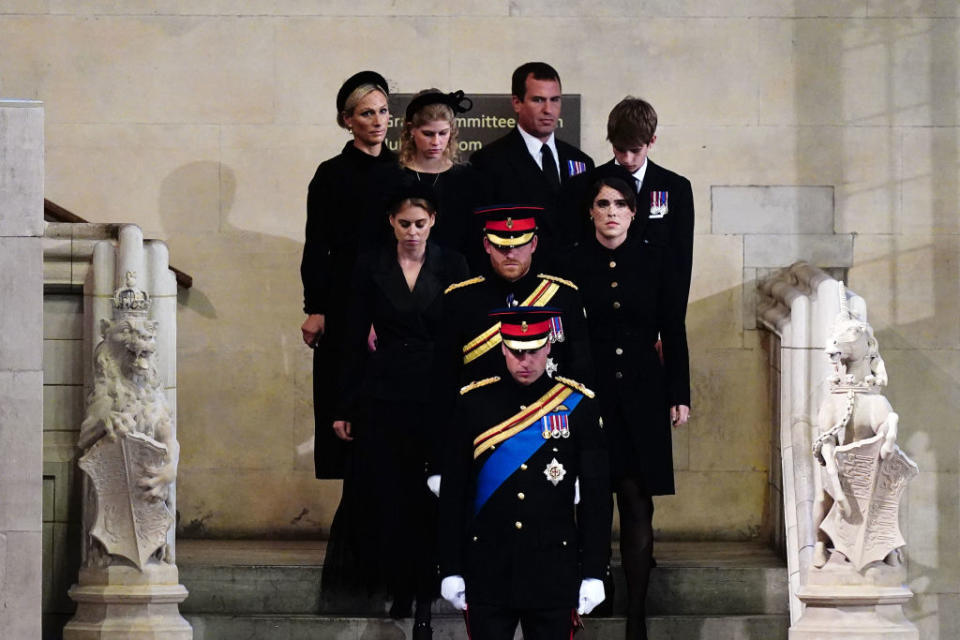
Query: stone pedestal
(843,603)
(121,603)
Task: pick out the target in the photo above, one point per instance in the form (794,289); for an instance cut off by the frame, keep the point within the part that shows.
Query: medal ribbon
(519,421)
(491,337)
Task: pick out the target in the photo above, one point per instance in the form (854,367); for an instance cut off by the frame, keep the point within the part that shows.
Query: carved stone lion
(127,396)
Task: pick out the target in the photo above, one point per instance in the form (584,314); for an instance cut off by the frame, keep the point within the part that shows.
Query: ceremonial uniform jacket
(508,523)
(469,344)
(513,176)
(672,229)
(631,298)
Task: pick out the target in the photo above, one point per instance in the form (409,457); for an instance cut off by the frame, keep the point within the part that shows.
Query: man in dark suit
(664,198)
(524,499)
(530,165)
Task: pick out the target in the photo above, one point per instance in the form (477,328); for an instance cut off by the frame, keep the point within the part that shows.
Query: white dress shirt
(534,145)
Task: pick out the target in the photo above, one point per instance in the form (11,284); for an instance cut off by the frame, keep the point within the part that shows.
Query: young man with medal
(664,198)
(524,502)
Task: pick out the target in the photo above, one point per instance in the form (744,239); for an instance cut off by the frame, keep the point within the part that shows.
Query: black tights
(636,548)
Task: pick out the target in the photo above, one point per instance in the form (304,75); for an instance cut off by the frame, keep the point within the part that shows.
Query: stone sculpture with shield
(855,588)
(128,583)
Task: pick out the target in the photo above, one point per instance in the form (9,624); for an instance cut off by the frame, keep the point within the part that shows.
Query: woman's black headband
(457,102)
(358,80)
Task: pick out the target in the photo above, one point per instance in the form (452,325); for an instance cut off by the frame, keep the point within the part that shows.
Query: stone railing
(799,305)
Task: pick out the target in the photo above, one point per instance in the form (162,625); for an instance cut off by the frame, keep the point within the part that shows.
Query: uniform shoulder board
(576,385)
(547,276)
(464,283)
(476,384)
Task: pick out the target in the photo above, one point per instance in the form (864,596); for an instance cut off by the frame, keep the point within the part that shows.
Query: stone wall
(21,366)
(203,122)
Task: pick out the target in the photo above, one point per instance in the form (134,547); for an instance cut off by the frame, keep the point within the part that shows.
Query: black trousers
(487,622)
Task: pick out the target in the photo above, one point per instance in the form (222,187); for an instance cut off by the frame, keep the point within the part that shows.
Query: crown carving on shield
(128,299)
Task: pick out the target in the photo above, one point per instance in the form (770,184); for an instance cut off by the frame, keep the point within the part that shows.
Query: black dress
(631,297)
(383,536)
(343,213)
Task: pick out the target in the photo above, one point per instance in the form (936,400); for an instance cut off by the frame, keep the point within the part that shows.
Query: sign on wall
(492,116)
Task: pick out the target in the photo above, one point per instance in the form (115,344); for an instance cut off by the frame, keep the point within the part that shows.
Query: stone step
(283,577)
(311,627)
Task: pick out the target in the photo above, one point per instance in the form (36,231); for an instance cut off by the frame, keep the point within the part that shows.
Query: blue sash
(513,452)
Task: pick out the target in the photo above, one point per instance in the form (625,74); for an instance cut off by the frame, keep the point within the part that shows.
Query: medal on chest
(659,206)
(554,472)
(555,425)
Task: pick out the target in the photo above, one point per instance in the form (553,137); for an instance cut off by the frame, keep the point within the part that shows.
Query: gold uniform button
(613,263)
(518,524)
(564,543)
(614,284)
(619,351)
(474,538)
(520,496)
(618,375)
(523,467)
(616,304)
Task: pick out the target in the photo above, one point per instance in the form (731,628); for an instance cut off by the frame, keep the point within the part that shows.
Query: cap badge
(523,326)
(509,223)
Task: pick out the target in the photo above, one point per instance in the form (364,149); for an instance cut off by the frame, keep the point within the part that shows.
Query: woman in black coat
(631,299)
(384,536)
(342,215)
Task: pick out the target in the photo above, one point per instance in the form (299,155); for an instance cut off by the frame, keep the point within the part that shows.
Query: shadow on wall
(241,365)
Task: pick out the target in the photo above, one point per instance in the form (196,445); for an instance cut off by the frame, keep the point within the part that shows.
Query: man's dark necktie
(550,167)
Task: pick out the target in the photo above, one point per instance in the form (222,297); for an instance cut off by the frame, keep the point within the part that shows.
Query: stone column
(21,366)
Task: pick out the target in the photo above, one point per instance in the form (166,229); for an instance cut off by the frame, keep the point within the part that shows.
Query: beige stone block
(715,322)
(24,6)
(63,407)
(936,615)
(21,290)
(912,288)
(142,68)
(668,48)
(730,430)
(934,565)
(717,265)
(868,72)
(265,173)
(279,8)
(317,54)
(925,391)
(913,8)
(250,398)
(690,8)
(931,173)
(164,178)
(21,167)
(63,362)
(20,459)
(20,582)
(720,505)
(274,504)
(62,316)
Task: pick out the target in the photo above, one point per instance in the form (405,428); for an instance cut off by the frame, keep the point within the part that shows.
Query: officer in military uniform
(519,543)
(468,339)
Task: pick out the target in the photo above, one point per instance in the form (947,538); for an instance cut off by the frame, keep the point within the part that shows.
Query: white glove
(576,491)
(453,589)
(433,483)
(591,594)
